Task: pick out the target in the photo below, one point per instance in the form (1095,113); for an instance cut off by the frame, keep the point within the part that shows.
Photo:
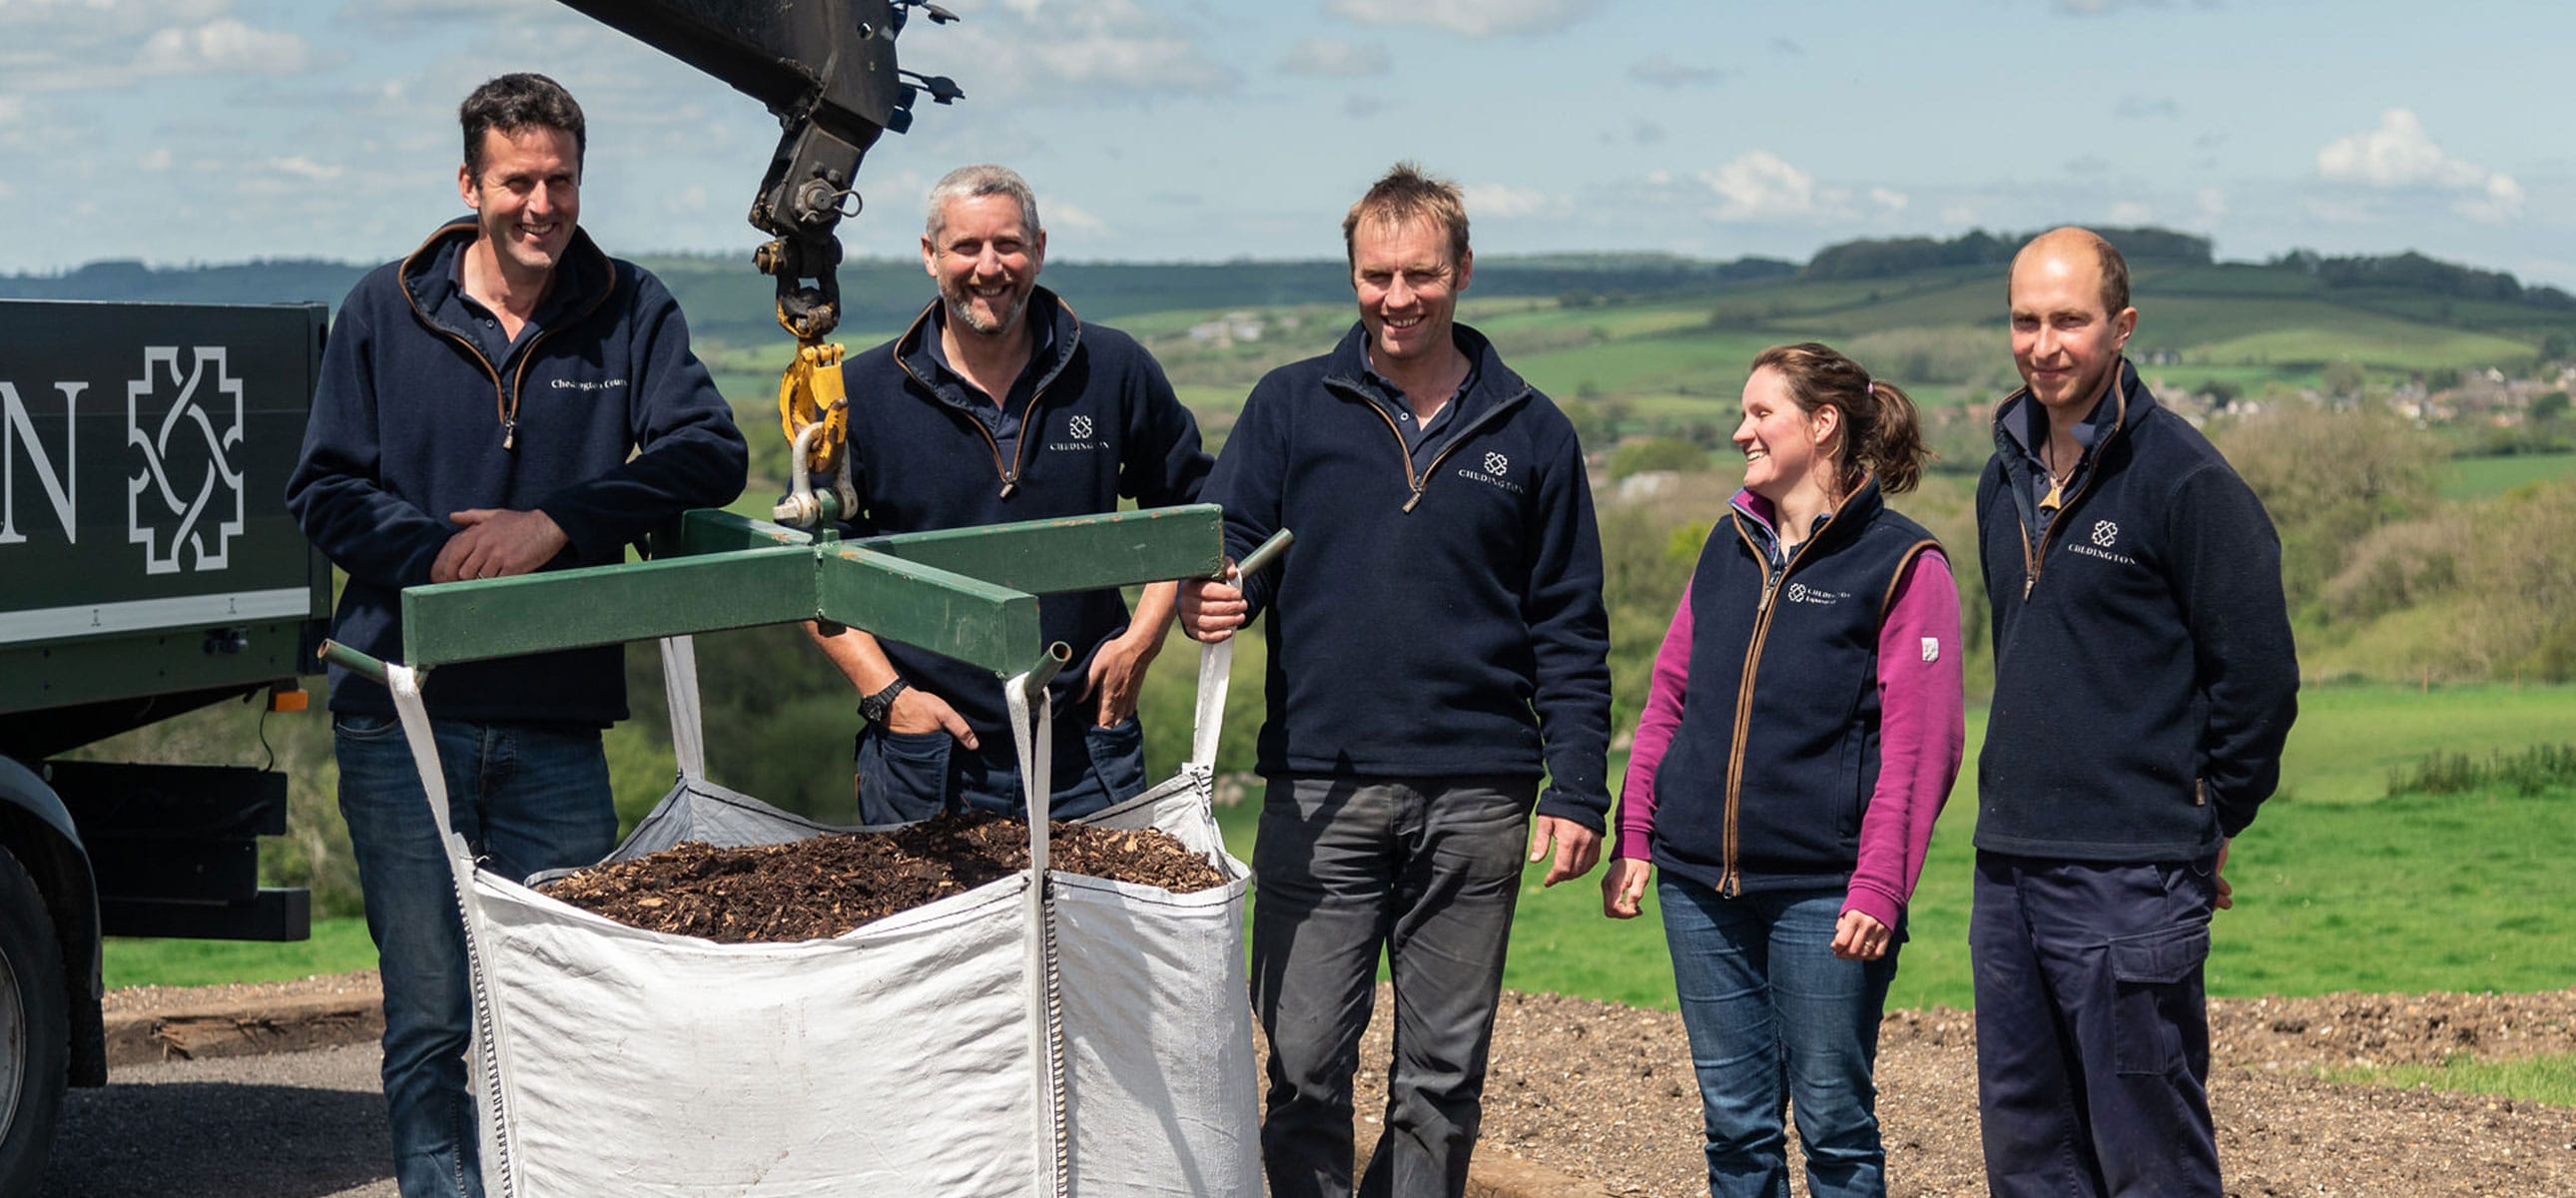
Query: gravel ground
(1605,1092)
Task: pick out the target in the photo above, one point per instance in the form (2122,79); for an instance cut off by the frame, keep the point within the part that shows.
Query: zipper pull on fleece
(2028,580)
(509,434)
(1417,498)
(1008,486)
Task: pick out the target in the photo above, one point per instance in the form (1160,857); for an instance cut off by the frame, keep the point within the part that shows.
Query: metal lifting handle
(1264,554)
(353,661)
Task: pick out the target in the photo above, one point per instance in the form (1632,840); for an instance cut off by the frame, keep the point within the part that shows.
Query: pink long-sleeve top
(1922,733)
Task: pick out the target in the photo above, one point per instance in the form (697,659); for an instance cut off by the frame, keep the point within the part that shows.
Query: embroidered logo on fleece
(1800,592)
(2106,533)
(1496,466)
(1079,428)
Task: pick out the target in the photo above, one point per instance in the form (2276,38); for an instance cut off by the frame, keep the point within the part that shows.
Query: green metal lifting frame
(968,593)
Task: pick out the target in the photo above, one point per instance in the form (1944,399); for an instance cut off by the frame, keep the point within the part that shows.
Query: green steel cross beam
(968,593)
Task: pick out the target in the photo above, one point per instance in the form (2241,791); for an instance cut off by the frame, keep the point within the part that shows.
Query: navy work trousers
(2092,1032)
(905,777)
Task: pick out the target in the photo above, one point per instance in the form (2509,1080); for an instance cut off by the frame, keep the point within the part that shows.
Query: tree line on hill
(728,301)
(1876,258)
(2411,271)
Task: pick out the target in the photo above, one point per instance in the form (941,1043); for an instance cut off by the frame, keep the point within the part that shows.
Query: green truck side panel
(144,451)
(65,673)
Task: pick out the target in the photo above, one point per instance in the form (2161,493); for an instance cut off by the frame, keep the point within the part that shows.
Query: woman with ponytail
(1800,736)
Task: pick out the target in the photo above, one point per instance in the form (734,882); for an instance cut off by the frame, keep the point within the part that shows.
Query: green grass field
(2535,1079)
(2338,888)
(2481,478)
(337,946)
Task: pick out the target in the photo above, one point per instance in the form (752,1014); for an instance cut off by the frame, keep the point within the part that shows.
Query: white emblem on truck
(185,421)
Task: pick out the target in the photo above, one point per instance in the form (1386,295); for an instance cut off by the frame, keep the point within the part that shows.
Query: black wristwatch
(874,708)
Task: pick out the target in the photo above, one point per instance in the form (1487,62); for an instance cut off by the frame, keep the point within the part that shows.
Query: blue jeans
(526,797)
(1427,870)
(1775,1018)
(2092,1032)
(905,777)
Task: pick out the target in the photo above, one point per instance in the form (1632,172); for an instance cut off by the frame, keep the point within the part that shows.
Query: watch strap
(874,708)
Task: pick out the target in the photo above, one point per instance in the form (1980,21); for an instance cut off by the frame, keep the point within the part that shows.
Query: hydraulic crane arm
(827,69)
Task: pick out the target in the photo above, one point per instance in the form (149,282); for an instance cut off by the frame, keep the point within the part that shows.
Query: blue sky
(1159,130)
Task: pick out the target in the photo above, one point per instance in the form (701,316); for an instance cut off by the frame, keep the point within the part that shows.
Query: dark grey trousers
(1427,870)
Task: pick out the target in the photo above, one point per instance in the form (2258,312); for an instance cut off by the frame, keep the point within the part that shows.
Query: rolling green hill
(1641,343)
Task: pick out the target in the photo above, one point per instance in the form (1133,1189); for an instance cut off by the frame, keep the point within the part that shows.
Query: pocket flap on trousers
(2162,956)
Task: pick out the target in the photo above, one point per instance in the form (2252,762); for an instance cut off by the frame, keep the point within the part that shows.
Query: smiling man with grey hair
(998,405)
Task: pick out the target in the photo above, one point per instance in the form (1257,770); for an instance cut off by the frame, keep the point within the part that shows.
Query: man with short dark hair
(1437,644)
(2144,684)
(997,405)
(506,399)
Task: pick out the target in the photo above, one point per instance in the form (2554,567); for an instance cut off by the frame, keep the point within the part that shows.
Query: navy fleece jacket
(2144,674)
(407,427)
(1099,422)
(1440,613)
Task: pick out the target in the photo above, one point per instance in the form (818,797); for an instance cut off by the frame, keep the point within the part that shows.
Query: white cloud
(12,109)
(68,45)
(687,201)
(1662,70)
(1759,186)
(1959,214)
(1503,201)
(2213,205)
(2400,155)
(1101,47)
(219,45)
(2501,201)
(1061,216)
(1334,57)
(105,16)
(304,168)
(2131,212)
(1138,64)
(1471,18)
(156,161)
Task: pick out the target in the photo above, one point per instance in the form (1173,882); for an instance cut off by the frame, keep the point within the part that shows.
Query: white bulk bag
(1084,1038)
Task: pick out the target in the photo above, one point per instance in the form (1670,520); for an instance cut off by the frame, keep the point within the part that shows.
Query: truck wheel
(34,1037)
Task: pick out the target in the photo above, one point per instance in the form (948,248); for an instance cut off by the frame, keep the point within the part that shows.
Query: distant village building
(1229,329)
(1645,485)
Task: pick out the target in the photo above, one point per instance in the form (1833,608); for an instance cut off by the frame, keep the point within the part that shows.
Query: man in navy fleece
(998,405)
(2144,684)
(506,399)
(1437,644)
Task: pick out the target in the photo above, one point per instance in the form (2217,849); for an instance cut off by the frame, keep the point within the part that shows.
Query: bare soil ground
(1606,1092)
(826,885)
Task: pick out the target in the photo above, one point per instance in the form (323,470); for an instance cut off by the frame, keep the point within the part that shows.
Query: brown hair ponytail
(1881,434)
